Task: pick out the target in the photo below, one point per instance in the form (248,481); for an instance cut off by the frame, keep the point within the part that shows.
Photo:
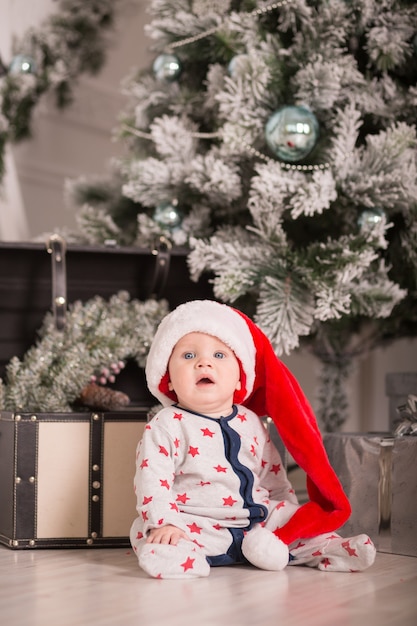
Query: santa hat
(269,389)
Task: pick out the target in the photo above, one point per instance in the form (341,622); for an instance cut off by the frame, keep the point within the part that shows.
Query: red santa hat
(269,389)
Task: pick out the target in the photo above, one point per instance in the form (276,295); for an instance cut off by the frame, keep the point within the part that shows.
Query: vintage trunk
(66,480)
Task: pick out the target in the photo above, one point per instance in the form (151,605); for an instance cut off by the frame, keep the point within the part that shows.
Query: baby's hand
(168,534)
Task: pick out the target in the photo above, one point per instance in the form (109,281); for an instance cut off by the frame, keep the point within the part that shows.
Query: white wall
(78,141)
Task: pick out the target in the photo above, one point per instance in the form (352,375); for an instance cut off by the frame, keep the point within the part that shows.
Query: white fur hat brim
(205,316)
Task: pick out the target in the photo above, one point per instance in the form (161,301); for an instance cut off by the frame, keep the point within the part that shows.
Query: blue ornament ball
(168,215)
(292,132)
(167,67)
(22,64)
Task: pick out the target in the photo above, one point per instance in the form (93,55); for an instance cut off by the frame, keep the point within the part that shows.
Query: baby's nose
(204,361)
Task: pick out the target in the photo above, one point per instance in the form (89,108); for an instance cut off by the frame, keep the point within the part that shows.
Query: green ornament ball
(292,132)
(167,68)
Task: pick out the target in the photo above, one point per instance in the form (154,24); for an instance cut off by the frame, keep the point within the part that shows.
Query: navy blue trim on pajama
(257,512)
(234,554)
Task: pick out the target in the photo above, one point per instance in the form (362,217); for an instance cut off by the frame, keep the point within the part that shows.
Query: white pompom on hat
(268,389)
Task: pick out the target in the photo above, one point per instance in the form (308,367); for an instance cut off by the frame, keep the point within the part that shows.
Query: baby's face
(204,373)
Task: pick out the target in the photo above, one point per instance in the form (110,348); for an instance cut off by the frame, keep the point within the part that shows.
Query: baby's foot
(353,554)
(264,550)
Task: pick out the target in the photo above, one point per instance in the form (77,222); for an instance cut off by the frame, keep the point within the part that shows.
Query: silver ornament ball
(168,215)
(167,67)
(292,132)
(238,65)
(22,64)
(370,218)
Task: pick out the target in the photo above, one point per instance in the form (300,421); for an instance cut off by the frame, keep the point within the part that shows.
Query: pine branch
(98,334)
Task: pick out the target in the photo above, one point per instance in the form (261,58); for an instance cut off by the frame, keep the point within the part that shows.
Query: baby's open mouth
(205,380)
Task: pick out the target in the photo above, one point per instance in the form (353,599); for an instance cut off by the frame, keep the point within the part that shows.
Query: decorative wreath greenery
(68,43)
(99,337)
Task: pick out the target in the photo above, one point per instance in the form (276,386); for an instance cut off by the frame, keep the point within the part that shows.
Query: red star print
(326,562)
(300,544)
(145,516)
(317,553)
(263,463)
(253,450)
(241,417)
(177,443)
(229,501)
(217,527)
(164,483)
(188,564)
(194,528)
(256,440)
(139,535)
(177,416)
(349,550)
(163,450)
(182,497)
(147,499)
(280,505)
(148,427)
(203,484)
(369,542)
(173,506)
(275,469)
(207,432)
(219,469)
(160,521)
(144,463)
(193,451)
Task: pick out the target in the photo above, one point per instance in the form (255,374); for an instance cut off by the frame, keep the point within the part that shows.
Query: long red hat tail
(277,394)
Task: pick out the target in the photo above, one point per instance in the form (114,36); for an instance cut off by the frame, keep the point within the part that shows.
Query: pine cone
(98,397)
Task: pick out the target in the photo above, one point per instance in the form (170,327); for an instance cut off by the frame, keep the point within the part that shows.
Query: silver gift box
(379,475)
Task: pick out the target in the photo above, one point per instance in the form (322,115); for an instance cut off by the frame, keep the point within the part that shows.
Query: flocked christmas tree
(278,142)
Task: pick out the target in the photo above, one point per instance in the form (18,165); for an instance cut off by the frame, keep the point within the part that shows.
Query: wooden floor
(106,587)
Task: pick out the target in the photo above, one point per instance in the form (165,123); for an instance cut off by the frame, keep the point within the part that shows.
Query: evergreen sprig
(97,334)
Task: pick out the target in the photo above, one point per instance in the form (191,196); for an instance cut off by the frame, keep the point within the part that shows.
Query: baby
(211,487)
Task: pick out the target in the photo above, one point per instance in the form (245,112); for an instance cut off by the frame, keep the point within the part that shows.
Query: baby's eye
(189,355)
(219,355)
